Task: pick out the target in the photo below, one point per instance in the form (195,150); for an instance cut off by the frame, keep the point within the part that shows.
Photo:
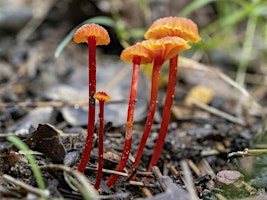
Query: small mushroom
(136,54)
(94,35)
(162,49)
(102,97)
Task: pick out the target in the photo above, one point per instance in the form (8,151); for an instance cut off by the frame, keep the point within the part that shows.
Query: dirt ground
(215,146)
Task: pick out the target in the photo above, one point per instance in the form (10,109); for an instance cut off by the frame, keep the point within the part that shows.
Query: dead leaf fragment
(199,94)
(46,140)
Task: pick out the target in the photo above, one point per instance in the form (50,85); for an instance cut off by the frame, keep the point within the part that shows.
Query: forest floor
(215,146)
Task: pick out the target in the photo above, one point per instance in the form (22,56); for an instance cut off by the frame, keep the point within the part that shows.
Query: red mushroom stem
(129,123)
(91,103)
(100,144)
(102,98)
(166,111)
(153,103)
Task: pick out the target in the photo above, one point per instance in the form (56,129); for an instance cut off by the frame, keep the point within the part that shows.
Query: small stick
(219,113)
(189,180)
(25,186)
(193,166)
(146,192)
(138,183)
(247,152)
(158,177)
(80,177)
(113,172)
(7,192)
(52,104)
(251,190)
(145,174)
(219,196)
(172,169)
(205,168)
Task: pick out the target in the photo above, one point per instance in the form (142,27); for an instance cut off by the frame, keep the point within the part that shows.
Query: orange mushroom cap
(102,96)
(166,47)
(89,30)
(173,26)
(129,53)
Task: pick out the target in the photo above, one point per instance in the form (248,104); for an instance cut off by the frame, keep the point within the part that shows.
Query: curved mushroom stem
(129,123)
(100,144)
(166,111)
(91,104)
(153,103)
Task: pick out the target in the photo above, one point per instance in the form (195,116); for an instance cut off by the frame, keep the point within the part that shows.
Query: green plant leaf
(106,21)
(35,169)
(194,6)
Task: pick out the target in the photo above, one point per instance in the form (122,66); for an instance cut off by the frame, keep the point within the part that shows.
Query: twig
(25,186)
(194,167)
(247,152)
(158,177)
(219,113)
(113,172)
(219,196)
(251,190)
(172,169)
(146,192)
(189,180)
(205,168)
(138,183)
(7,192)
(41,9)
(52,104)
(80,177)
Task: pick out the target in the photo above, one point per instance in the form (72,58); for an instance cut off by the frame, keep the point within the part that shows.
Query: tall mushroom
(102,97)
(164,27)
(137,55)
(94,35)
(163,49)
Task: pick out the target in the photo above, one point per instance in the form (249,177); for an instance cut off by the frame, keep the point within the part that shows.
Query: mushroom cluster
(164,40)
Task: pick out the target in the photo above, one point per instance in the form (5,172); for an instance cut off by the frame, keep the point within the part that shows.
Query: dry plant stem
(153,103)
(91,104)
(129,122)
(166,111)
(100,145)
(25,186)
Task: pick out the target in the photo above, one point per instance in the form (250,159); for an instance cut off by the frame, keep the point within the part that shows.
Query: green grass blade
(35,169)
(194,6)
(106,21)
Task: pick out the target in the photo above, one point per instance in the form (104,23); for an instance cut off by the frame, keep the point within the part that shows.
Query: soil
(215,146)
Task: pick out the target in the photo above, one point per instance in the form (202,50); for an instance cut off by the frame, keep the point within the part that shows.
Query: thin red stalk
(100,144)
(129,122)
(166,112)
(150,117)
(91,104)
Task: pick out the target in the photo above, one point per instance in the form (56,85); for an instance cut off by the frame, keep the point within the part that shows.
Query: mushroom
(102,97)
(163,27)
(94,35)
(136,54)
(173,26)
(162,49)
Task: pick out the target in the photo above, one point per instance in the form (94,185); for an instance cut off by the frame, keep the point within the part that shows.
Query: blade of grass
(34,167)
(247,49)
(232,19)
(84,192)
(194,6)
